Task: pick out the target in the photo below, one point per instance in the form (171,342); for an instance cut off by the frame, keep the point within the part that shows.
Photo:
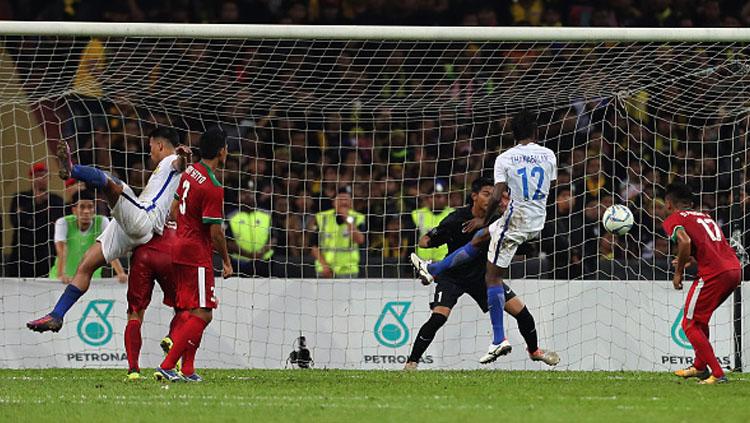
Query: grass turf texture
(59,395)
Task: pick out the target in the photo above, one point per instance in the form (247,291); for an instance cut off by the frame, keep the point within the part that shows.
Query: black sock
(426,335)
(527,327)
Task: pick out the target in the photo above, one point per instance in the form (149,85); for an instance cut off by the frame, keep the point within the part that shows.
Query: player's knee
(433,324)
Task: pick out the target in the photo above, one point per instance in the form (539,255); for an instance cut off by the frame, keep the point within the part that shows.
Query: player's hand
(66,279)
(326,272)
(122,278)
(677,281)
(227,271)
(184,151)
(472,225)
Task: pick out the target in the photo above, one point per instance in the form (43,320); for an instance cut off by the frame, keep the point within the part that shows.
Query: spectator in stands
(337,237)
(32,214)
(434,209)
(249,237)
(392,242)
(86,108)
(75,233)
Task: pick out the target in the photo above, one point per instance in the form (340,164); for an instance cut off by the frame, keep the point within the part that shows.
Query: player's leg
(496,304)
(91,175)
(446,297)
(708,296)
(194,292)
(427,270)
(140,287)
(133,343)
(527,326)
(93,259)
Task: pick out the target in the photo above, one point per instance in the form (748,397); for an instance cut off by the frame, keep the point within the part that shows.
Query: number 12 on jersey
(536,171)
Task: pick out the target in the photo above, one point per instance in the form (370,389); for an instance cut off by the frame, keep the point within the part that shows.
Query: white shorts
(506,235)
(131,227)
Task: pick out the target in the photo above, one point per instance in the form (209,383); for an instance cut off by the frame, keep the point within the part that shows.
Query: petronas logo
(390,329)
(94,329)
(678,335)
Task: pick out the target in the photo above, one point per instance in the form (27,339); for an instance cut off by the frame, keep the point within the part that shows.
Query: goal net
(406,119)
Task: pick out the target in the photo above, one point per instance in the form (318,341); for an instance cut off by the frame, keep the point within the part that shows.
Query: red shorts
(146,265)
(705,296)
(195,286)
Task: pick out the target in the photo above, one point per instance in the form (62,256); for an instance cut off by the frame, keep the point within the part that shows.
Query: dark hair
(165,133)
(211,142)
(86,195)
(480,183)
(679,192)
(523,125)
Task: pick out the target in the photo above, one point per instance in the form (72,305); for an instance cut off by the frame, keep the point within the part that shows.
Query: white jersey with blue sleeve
(528,170)
(158,194)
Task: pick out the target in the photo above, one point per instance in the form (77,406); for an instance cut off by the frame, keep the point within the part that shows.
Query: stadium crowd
(393,169)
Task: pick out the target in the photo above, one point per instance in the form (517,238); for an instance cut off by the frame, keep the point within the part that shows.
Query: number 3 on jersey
(185,189)
(713,230)
(536,171)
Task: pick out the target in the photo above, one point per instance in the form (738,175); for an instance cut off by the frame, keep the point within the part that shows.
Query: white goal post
(406,118)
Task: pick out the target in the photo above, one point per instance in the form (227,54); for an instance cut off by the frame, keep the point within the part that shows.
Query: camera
(301,356)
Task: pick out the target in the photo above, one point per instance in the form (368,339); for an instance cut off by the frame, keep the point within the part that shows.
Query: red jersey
(201,200)
(709,246)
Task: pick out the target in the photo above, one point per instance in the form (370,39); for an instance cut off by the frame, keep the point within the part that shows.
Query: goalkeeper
(468,278)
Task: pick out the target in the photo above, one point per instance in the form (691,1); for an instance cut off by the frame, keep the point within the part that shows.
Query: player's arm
(61,248)
(357,232)
(438,235)
(683,256)
(122,277)
(183,156)
(219,242)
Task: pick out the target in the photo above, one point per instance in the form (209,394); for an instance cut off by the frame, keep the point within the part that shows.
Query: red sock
(133,343)
(699,363)
(187,335)
(177,320)
(188,358)
(704,353)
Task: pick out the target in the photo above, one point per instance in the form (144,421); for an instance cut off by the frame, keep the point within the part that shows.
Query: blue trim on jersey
(161,191)
(153,201)
(502,234)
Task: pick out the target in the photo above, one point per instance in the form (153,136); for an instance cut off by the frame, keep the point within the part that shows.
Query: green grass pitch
(59,395)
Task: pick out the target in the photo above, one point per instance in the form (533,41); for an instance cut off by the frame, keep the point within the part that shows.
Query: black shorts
(448,291)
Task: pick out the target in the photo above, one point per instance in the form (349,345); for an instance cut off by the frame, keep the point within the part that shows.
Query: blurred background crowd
(397,171)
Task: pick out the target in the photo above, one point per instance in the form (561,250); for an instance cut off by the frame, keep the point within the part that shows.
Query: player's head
(524,126)
(83,206)
(162,142)
(213,145)
(481,192)
(679,196)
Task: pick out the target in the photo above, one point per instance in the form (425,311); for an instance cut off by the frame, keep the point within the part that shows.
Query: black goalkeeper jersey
(450,232)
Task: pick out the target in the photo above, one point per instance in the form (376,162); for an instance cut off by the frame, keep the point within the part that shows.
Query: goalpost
(392,113)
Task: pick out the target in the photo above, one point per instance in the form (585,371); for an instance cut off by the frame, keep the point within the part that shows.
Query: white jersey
(528,170)
(158,194)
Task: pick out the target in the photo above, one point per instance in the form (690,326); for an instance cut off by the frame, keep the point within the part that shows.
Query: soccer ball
(617,219)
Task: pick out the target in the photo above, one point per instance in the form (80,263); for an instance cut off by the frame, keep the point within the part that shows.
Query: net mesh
(393,120)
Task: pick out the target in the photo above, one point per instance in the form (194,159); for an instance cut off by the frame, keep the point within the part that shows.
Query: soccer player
(719,272)
(468,278)
(75,233)
(523,174)
(198,207)
(136,219)
(150,262)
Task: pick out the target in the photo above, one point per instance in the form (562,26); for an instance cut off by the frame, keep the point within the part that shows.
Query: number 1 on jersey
(535,171)
(185,189)
(713,230)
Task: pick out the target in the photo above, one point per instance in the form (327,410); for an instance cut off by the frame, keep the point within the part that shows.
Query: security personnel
(338,235)
(249,237)
(434,210)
